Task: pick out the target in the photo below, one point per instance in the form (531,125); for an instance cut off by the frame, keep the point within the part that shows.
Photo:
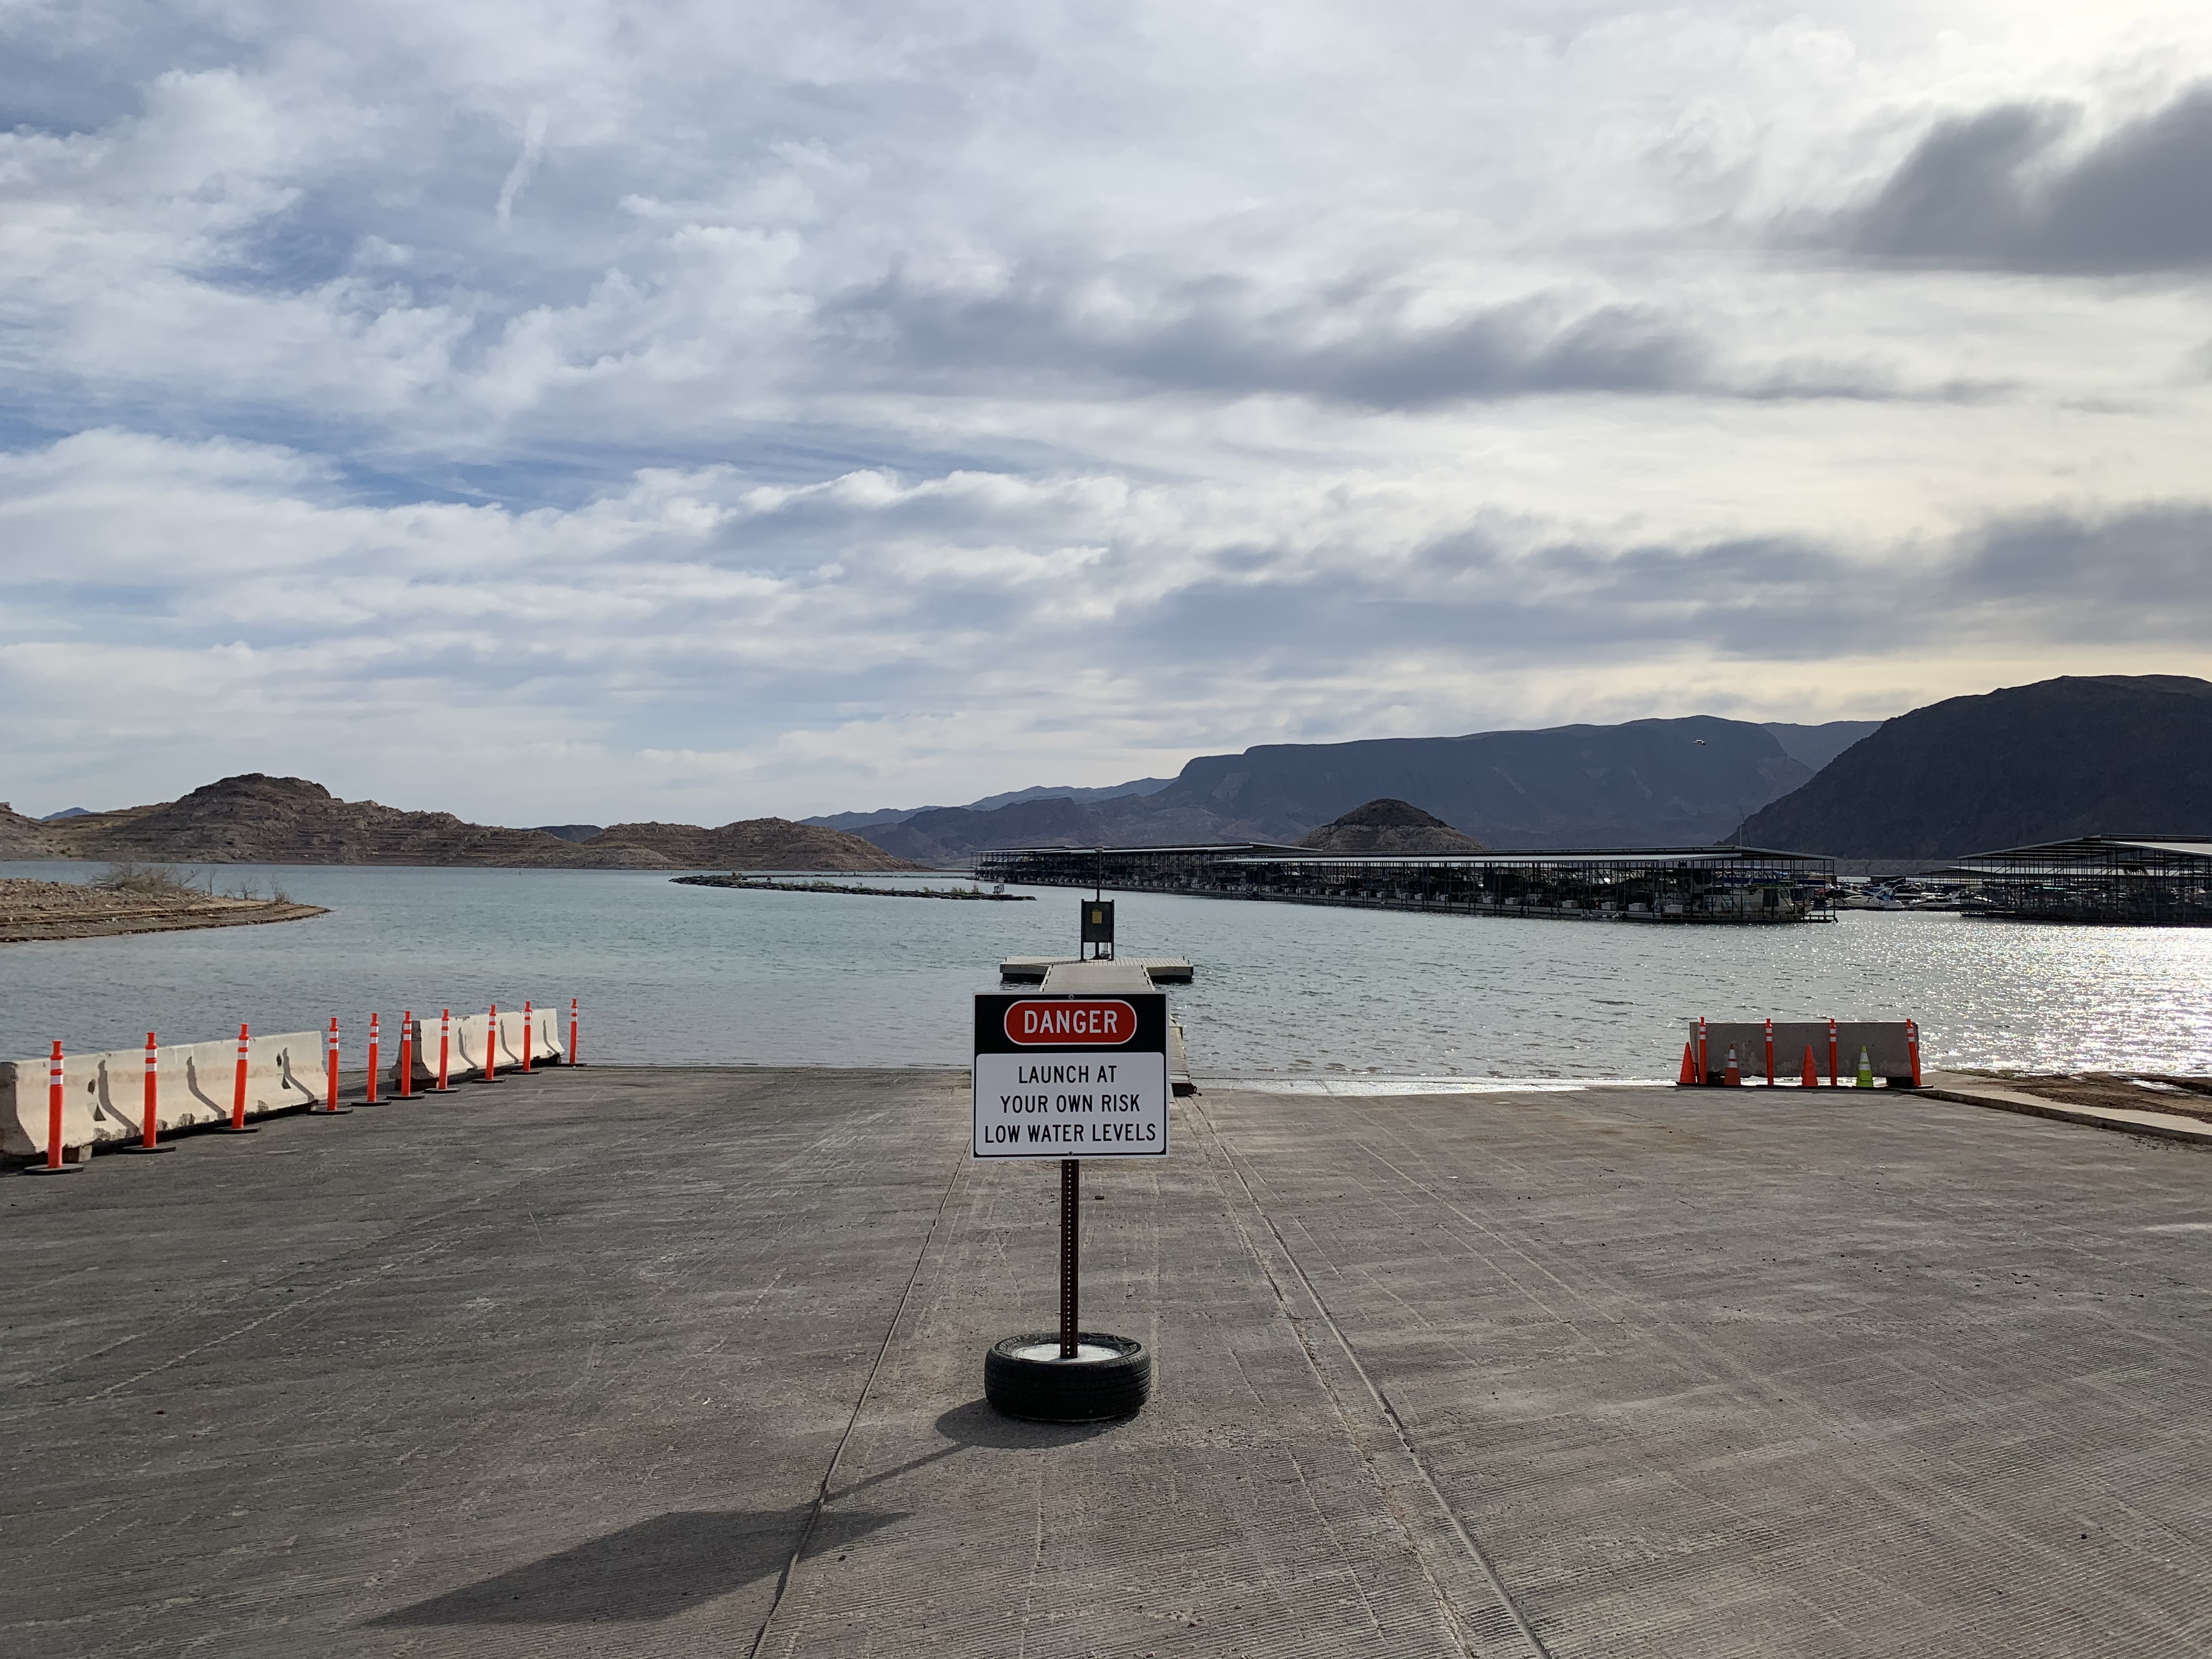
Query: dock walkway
(620,1361)
(1164,970)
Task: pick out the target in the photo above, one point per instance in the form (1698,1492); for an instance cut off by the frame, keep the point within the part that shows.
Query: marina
(2110,879)
(1744,886)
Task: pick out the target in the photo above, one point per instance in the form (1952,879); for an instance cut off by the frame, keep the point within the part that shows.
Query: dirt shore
(66,910)
(2134,1091)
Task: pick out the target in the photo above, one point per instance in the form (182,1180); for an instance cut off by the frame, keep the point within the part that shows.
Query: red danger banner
(1070,1022)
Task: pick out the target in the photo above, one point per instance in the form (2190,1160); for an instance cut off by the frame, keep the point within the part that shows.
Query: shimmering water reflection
(700,974)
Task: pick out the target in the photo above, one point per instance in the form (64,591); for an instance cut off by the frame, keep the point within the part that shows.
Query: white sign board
(1071,1076)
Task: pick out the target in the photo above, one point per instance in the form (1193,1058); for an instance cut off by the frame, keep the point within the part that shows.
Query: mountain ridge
(1683,781)
(252,818)
(2104,754)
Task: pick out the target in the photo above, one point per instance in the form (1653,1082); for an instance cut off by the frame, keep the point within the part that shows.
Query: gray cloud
(1997,191)
(308,455)
(1357,346)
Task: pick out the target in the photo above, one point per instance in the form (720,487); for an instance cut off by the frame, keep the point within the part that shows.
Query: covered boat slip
(1726,885)
(2155,881)
(688,1361)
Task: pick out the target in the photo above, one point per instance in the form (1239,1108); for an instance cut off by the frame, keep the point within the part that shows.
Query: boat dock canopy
(1633,884)
(2149,880)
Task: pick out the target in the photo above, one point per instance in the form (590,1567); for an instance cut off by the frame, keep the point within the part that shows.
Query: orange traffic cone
(1734,1078)
(1689,1069)
(1812,1078)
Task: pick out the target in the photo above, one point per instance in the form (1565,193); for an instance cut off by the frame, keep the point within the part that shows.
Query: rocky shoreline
(33,910)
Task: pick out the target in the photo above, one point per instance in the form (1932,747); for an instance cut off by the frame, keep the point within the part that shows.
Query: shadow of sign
(677,1561)
(651,1571)
(976,1424)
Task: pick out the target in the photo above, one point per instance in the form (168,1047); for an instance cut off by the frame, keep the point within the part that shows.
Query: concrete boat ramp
(670,1362)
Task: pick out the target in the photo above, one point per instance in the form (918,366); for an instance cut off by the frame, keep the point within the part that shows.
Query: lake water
(671,974)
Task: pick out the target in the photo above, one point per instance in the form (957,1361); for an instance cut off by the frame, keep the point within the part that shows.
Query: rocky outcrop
(1389,826)
(25,838)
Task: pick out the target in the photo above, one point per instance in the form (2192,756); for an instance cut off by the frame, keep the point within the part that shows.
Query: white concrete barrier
(468,1050)
(1888,1050)
(104,1095)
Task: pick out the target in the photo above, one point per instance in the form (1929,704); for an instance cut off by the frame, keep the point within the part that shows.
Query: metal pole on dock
(1070,1250)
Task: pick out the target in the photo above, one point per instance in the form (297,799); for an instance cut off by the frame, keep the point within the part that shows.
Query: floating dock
(1031,971)
(1097,978)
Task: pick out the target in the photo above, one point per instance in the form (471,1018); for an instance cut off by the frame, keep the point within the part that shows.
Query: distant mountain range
(857,822)
(2109,754)
(257,819)
(1648,781)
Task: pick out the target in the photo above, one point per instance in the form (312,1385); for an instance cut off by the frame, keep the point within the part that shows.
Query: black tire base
(1019,1381)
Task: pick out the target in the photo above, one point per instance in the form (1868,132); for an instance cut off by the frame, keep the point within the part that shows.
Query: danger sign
(1071,1076)
(1051,1022)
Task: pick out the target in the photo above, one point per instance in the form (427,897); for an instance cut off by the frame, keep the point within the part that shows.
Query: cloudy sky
(597,410)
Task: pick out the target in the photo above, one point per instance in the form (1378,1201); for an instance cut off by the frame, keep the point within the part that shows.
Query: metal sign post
(1057,1074)
(1070,1250)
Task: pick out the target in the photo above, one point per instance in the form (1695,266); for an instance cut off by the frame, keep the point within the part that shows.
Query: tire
(1025,1376)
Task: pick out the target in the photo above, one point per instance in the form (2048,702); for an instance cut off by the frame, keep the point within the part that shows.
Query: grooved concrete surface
(688,1362)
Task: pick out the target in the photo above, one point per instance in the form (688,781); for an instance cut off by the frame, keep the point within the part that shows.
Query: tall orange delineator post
(529,1035)
(237,1124)
(1912,1048)
(407,1055)
(445,1049)
(573,1050)
(1833,1074)
(1770,1054)
(150,1128)
(491,1048)
(369,1099)
(53,1165)
(1704,1072)
(330,1107)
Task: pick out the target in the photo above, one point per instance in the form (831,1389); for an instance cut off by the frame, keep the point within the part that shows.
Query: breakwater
(763,885)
